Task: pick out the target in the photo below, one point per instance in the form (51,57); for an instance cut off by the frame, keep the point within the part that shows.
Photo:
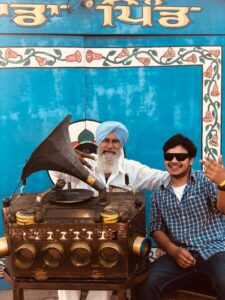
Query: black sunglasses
(179,156)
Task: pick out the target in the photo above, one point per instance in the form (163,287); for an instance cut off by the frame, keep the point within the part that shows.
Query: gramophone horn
(56,153)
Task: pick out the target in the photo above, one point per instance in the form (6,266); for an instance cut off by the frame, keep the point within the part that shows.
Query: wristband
(222,183)
(221,188)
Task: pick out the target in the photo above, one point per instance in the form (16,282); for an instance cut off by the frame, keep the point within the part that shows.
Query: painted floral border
(209,57)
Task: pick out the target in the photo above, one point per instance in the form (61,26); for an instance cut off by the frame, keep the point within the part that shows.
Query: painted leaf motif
(50,63)
(106,64)
(27,62)
(214,151)
(154,52)
(111,53)
(58,52)
(135,50)
(28,51)
(3,63)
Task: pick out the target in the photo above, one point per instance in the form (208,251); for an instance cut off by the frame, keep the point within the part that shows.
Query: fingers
(185,259)
(86,155)
(85,163)
(209,162)
(189,260)
(220,160)
(214,170)
(186,263)
(211,166)
(82,154)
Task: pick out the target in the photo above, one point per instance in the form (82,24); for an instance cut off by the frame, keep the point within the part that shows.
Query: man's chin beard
(108,162)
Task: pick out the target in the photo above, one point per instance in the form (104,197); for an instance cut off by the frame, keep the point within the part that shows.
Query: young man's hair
(181,140)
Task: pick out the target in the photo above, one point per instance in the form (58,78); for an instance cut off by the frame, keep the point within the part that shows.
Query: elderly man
(112,169)
(110,166)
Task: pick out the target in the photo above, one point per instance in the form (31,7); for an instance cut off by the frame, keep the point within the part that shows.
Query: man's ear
(191,161)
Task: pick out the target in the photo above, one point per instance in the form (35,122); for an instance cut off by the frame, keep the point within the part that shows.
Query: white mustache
(108,151)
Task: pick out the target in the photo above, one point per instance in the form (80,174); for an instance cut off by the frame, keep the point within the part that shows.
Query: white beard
(108,162)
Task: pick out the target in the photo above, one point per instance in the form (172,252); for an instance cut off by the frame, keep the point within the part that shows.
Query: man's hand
(183,257)
(82,155)
(214,170)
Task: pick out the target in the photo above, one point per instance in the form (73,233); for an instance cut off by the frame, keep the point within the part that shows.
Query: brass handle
(141,246)
(4,248)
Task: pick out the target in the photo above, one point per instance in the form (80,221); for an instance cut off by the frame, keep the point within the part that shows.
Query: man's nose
(110,144)
(174,159)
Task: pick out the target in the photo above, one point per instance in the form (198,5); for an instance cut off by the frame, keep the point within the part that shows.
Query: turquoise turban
(105,128)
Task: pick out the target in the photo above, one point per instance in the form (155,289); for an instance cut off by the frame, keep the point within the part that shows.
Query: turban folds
(105,128)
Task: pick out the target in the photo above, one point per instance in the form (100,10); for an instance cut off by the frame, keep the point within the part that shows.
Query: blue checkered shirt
(193,222)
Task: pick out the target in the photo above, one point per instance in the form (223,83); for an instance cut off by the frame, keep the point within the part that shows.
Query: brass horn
(57,154)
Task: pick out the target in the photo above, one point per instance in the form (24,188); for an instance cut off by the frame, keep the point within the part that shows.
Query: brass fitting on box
(4,248)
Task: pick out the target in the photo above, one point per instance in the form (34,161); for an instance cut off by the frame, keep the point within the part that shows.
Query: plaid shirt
(194,222)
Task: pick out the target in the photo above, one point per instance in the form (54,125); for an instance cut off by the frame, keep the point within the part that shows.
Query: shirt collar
(165,184)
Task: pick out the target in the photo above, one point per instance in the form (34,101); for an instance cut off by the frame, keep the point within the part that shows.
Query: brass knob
(110,216)
(25,217)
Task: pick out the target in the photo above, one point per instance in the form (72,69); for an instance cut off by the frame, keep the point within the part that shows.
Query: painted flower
(169,53)
(123,53)
(76,56)
(215,53)
(9,53)
(208,72)
(90,56)
(144,60)
(41,60)
(208,117)
(215,92)
(192,58)
(214,140)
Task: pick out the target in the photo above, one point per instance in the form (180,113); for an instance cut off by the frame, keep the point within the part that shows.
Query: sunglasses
(179,156)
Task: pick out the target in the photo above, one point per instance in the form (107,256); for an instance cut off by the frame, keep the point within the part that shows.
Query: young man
(187,222)
(112,169)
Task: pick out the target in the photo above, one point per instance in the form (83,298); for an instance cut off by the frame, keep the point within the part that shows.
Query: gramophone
(71,234)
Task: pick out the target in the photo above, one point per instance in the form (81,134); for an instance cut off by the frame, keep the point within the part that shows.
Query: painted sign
(33,15)
(112,16)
